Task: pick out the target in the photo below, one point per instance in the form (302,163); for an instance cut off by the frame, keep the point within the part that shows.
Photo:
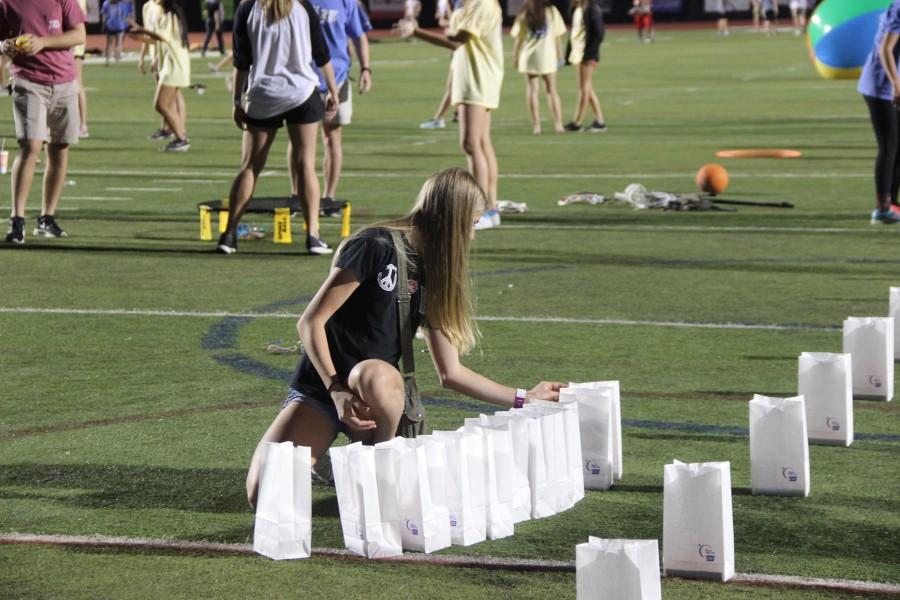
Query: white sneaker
(433,124)
(495,217)
(484,222)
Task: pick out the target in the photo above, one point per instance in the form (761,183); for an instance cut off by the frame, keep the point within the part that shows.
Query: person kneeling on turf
(348,380)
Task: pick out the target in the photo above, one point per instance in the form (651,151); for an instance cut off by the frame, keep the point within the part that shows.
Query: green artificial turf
(141,425)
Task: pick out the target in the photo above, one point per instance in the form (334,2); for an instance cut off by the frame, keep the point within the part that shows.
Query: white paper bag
(825,381)
(544,492)
(572,437)
(595,418)
(698,531)
(498,486)
(617,569)
(466,472)
(894,313)
(404,482)
(283,526)
(356,484)
(871,342)
(779,453)
(518,433)
(558,494)
(613,387)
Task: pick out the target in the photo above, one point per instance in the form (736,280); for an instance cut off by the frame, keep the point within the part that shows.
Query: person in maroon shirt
(38,35)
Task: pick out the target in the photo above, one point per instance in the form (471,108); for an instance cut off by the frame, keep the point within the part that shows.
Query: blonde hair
(276,10)
(442,221)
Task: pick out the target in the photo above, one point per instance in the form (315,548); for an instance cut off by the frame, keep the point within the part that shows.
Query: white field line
(98,198)
(169,175)
(277,315)
(702,228)
(449,560)
(142,189)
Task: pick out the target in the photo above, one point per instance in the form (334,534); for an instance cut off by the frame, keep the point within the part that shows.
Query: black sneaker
(597,127)
(573,126)
(160,134)
(329,207)
(316,246)
(227,243)
(47,227)
(16,233)
(177,145)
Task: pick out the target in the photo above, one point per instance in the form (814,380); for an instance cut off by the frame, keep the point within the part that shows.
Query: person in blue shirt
(115,15)
(879,85)
(341,21)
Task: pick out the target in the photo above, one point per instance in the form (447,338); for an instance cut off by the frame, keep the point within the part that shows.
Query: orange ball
(712,179)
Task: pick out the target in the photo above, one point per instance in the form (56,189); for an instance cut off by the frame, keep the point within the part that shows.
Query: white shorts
(345,108)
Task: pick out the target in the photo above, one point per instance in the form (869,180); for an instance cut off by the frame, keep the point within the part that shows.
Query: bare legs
(586,94)
(23,175)
(254,152)
(170,104)
(304,181)
(531,98)
(375,382)
(333,159)
(475,140)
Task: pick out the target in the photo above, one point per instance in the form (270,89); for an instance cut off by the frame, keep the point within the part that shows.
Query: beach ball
(712,179)
(840,35)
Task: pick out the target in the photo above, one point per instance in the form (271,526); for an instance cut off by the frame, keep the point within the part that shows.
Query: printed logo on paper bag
(412,527)
(706,552)
(789,474)
(360,532)
(592,467)
(832,424)
(875,381)
(453,521)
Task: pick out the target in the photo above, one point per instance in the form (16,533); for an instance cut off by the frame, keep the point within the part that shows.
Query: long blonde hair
(276,10)
(442,221)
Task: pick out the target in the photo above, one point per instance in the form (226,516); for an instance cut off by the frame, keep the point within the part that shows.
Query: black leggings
(886,124)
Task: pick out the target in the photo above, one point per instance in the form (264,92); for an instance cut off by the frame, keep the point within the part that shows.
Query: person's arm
(239,79)
(886,56)
(459,378)
(409,28)
(333,100)
(361,44)
(338,287)
(138,30)
(32,44)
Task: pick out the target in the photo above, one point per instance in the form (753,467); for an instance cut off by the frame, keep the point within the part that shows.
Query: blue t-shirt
(874,81)
(116,15)
(340,19)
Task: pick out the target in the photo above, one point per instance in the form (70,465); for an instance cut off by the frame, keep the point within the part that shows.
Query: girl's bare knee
(377,382)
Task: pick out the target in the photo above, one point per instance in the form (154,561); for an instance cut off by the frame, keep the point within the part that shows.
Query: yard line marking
(443,560)
(98,198)
(142,189)
(714,229)
(547,319)
(407,175)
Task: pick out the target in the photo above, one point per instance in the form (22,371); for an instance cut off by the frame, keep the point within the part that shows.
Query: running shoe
(485,221)
(160,134)
(316,246)
(494,214)
(885,217)
(16,233)
(177,145)
(597,127)
(433,124)
(227,243)
(47,227)
(573,127)
(329,207)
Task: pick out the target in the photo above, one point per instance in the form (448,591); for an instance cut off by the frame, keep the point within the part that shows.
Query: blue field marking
(222,337)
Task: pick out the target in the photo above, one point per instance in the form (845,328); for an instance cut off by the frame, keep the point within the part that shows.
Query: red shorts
(643,21)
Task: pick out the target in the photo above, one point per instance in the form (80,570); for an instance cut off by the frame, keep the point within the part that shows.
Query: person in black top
(214,13)
(348,380)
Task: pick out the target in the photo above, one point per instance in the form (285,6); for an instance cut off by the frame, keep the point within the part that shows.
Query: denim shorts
(326,409)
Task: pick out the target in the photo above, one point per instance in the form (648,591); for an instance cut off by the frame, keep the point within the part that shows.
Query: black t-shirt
(366,325)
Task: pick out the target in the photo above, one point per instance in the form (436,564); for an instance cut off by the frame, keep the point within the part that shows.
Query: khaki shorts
(46,112)
(345,108)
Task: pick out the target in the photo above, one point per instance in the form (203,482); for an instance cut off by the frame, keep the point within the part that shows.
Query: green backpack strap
(412,421)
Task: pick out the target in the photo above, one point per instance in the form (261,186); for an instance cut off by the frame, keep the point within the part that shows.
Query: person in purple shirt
(879,84)
(341,21)
(39,36)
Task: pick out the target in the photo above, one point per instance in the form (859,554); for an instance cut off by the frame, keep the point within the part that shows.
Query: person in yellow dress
(536,53)
(477,67)
(174,70)
(150,13)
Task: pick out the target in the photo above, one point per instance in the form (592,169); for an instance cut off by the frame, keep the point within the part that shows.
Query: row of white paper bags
(617,570)
(459,487)
(870,342)
(600,419)
(825,380)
